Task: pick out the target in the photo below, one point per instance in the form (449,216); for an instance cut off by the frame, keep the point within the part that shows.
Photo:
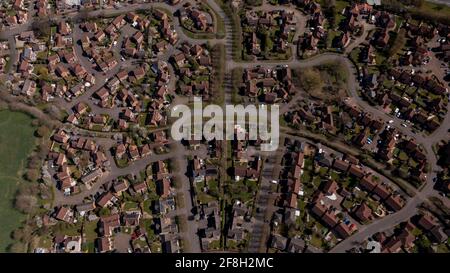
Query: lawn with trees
(16,143)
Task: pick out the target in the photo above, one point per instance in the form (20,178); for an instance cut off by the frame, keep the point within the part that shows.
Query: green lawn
(16,142)
(128,206)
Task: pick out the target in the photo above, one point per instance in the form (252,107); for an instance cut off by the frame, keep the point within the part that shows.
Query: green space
(16,142)
(420,10)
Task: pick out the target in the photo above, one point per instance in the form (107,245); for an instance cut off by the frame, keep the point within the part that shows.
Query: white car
(391,121)
(404,125)
(274,182)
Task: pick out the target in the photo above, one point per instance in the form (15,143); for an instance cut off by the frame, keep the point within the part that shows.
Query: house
(340,165)
(129,51)
(62,71)
(368,183)
(61,136)
(85,41)
(363,213)
(138,73)
(179,59)
(381,191)
(119,21)
(64,214)
(163,187)
(170,243)
(278,242)
(395,202)
(426,221)
(108,224)
(138,37)
(105,200)
(61,159)
(120,150)
(131,218)
(67,244)
(63,28)
(122,75)
(120,186)
(140,188)
(92,176)
(343,230)
(29,88)
(70,57)
(394,244)
(438,235)
(330,187)
(319,209)
(82,209)
(122,124)
(25,67)
(72,119)
(356,171)
(132,17)
(160,15)
(291,200)
(104,244)
(209,224)
(329,219)
(80,108)
(102,94)
(383,39)
(99,35)
(53,60)
(133,152)
(79,71)
(296,245)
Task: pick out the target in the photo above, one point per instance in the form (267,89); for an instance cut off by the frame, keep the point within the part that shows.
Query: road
(186,210)
(443,2)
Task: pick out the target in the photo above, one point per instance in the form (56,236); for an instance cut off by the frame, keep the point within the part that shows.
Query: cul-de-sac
(89,162)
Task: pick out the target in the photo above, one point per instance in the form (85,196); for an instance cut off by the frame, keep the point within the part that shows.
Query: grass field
(16,142)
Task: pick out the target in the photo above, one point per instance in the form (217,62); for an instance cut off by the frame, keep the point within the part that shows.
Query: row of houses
(13,13)
(268,85)
(281,21)
(68,150)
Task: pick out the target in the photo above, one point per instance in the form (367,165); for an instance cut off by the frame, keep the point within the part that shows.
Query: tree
(399,43)
(28,189)
(423,244)
(17,247)
(42,28)
(32,175)
(309,79)
(253,3)
(22,234)
(42,131)
(25,203)
(330,12)
(104,212)
(84,160)
(82,16)
(53,111)
(17,234)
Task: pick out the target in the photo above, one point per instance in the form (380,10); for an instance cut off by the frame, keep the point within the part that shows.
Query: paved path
(442,2)
(186,189)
